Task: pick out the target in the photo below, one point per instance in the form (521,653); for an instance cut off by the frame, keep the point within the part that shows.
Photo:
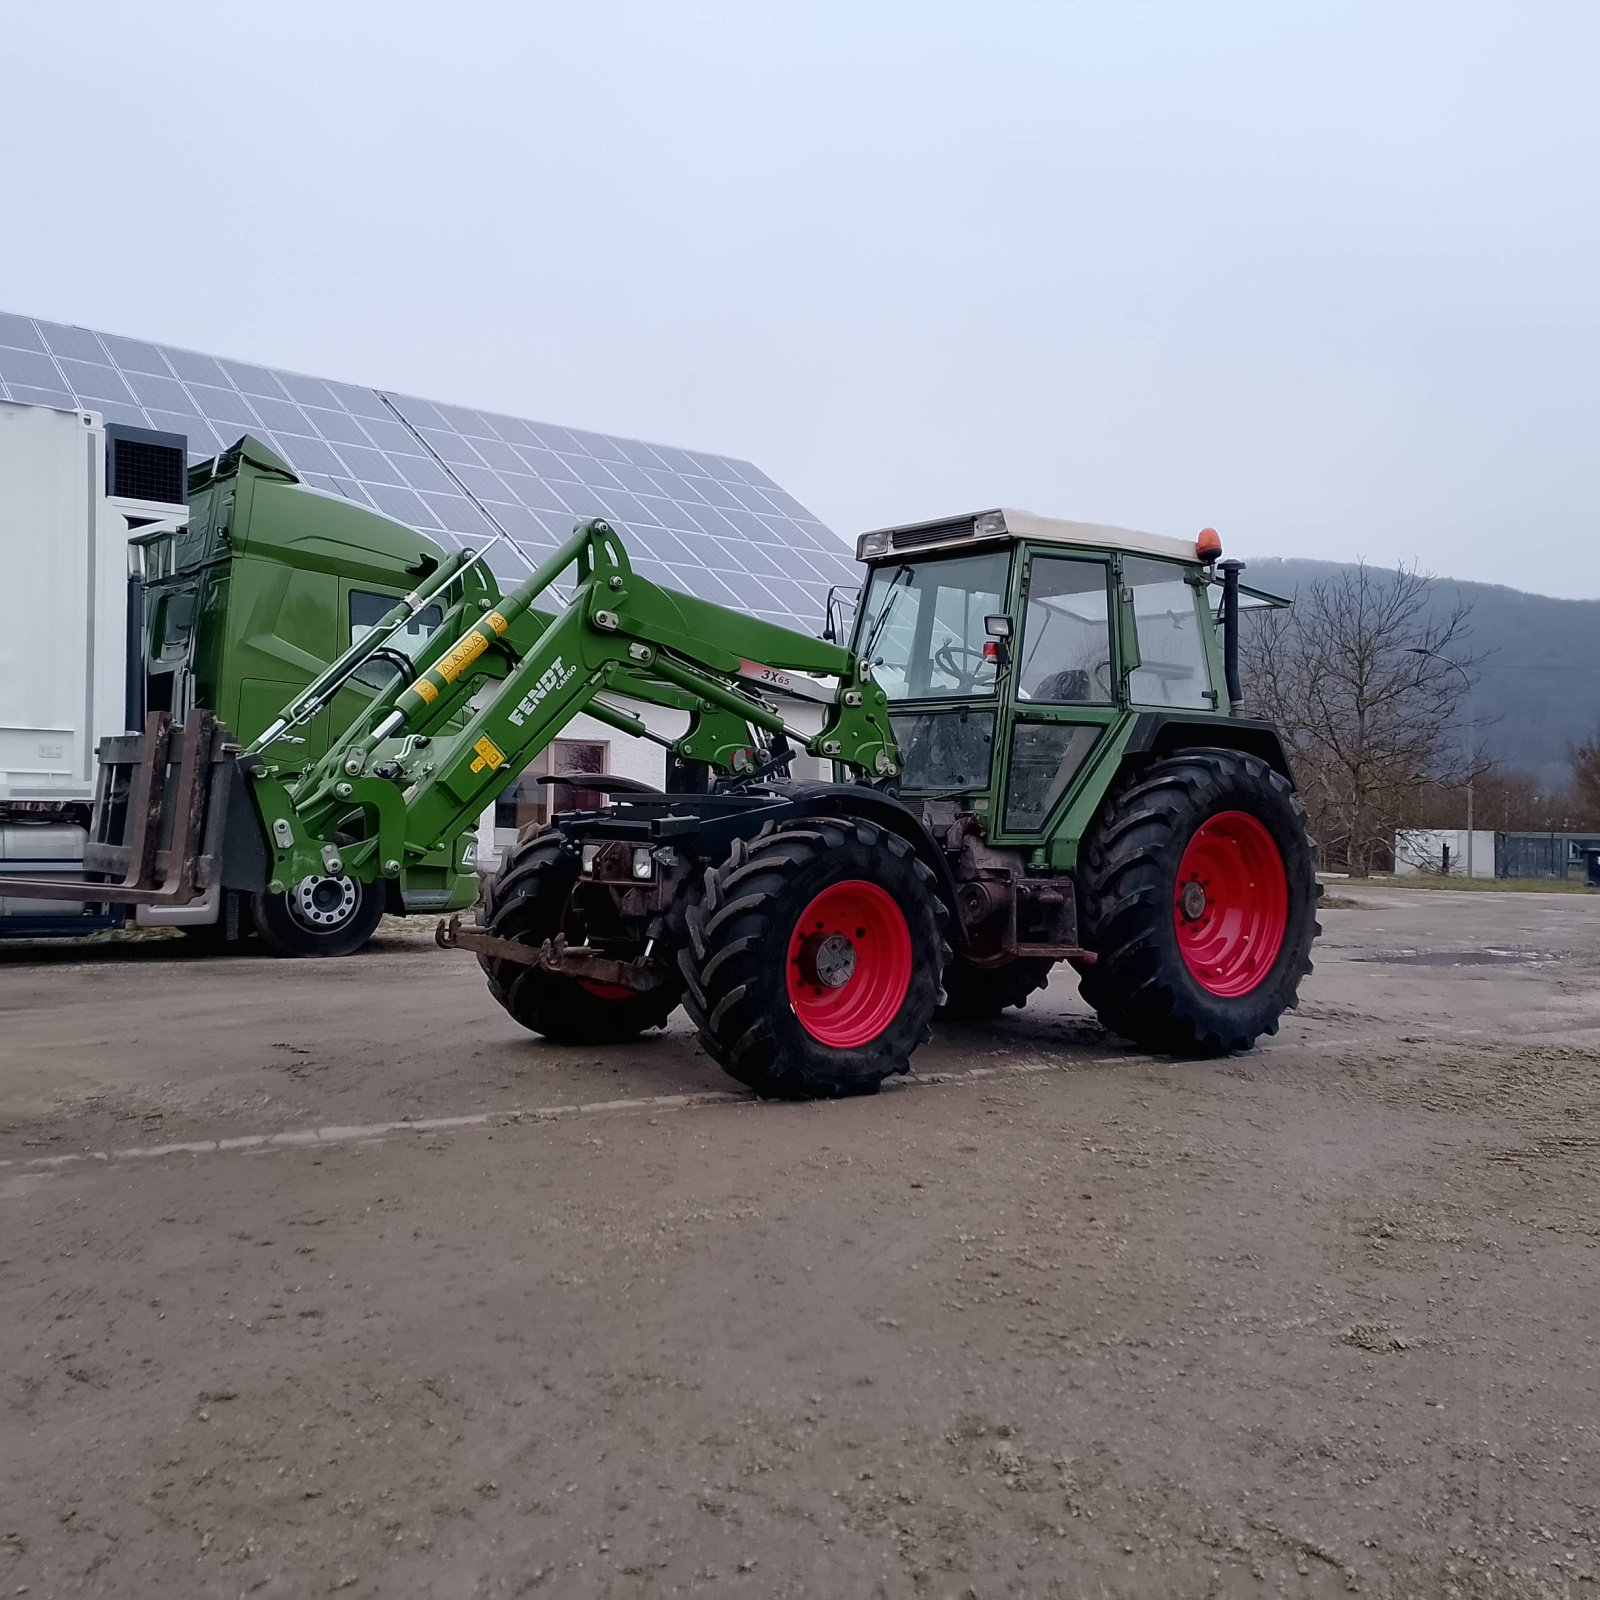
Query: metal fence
(1542,855)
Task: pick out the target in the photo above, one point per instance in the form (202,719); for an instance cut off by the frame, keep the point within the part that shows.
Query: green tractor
(1038,750)
(1068,777)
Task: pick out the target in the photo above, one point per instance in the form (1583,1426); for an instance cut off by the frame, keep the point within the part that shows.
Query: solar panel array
(710,525)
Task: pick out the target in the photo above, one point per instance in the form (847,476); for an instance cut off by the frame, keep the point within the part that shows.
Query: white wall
(1419,850)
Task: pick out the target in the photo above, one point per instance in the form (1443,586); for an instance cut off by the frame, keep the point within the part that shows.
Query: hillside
(1538,686)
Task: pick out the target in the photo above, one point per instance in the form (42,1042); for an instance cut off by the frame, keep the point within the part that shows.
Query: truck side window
(1173,670)
(368,610)
(1066,634)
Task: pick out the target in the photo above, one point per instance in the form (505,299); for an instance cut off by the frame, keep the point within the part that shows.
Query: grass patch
(1424,880)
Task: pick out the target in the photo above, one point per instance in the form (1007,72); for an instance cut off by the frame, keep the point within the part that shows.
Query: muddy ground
(1053,1319)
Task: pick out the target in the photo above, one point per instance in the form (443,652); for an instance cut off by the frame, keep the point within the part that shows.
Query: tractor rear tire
(814,958)
(526,901)
(979,994)
(1198,895)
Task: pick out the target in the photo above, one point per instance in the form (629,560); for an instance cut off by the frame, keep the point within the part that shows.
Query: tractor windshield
(922,625)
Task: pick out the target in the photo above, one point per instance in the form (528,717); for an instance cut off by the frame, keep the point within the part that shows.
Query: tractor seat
(1072,685)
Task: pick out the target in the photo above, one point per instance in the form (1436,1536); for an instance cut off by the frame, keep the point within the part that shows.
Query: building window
(527,801)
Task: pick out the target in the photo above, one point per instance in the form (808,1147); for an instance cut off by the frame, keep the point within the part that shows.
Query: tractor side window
(923,625)
(1045,758)
(947,752)
(1173,670)
(1065,657)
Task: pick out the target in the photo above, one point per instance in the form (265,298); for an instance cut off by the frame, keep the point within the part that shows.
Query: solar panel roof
(711,525)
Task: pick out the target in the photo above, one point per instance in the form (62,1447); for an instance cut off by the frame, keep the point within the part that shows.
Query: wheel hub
(1192,901)
(828,960)
(322,903)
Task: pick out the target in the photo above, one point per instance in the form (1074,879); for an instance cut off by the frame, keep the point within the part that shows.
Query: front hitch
(554,955)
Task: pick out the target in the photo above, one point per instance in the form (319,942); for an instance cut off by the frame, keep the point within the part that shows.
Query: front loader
(1039,756)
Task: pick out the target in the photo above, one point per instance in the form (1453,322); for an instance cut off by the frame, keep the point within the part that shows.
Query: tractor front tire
(525,901)
(814,958)
(980,994)
(1198,895)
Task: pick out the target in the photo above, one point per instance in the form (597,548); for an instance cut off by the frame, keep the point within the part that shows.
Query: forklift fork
(155,841)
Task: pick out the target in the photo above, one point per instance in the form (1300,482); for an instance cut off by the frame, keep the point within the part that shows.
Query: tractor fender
(891,814)
(1157,734)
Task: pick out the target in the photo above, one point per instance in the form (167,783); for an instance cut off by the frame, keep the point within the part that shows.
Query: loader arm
(404,779)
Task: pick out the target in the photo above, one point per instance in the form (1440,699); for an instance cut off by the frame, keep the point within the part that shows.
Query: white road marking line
(510,1116)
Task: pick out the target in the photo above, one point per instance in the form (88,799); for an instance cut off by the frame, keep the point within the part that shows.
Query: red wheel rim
(606,991)
(1231,904)
(849,964)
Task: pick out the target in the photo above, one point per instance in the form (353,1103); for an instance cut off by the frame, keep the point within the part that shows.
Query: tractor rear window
(922,623)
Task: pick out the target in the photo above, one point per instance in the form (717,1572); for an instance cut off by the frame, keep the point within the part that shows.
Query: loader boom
(406,777)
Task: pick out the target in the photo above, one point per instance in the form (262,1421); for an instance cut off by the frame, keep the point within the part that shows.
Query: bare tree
(1508,798)
(1360,674)
(1585,759)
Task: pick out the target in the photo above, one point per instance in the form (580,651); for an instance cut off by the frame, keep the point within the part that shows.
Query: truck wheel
(1199,898)
(526,900)
(319,917)
(814,958)
(979,994)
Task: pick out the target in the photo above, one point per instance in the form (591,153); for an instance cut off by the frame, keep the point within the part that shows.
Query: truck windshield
(922,625)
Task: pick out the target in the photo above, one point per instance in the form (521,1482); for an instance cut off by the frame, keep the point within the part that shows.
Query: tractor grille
(142,464)
(933,533)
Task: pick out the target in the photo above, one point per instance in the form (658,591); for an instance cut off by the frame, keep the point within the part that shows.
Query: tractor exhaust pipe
(1230,634)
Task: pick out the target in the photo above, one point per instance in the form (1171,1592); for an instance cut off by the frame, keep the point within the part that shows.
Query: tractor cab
(1019,652)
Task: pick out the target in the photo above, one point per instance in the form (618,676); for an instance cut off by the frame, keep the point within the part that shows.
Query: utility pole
(1417,650)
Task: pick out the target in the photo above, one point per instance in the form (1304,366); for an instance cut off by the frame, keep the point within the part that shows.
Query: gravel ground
(422,1306)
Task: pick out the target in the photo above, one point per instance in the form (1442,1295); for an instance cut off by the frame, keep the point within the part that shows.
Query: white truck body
(63,632)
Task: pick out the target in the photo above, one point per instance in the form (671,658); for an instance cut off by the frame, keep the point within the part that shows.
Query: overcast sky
(1325,276)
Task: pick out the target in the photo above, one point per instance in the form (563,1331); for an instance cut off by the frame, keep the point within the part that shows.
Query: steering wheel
(944,658)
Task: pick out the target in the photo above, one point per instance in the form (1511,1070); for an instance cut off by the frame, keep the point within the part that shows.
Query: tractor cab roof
(1006,524)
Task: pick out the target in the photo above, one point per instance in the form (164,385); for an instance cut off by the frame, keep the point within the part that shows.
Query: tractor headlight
(643,866)
(990,525)
(872,544)
(590,851)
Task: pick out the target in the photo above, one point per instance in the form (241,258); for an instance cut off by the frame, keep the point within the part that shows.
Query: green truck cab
(242,608)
